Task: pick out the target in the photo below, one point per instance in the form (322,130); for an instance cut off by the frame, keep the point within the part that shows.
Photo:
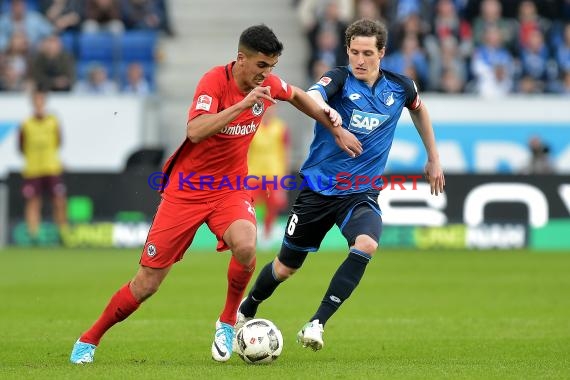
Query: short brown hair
(367,28)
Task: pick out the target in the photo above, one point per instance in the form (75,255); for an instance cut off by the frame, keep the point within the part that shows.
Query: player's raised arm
(327,117)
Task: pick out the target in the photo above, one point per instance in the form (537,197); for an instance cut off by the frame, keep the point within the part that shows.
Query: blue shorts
(313,215)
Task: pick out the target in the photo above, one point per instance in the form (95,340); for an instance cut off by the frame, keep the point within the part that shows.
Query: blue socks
(263,288)
(342,284)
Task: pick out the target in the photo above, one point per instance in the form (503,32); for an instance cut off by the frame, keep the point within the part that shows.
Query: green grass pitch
(415,315)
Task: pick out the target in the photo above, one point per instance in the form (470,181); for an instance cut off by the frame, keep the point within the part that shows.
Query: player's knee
(244,252)
(282,271)
(366,244)
(288,261)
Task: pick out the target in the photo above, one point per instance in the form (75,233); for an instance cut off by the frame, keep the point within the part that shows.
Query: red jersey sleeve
(207,95)
(280,89)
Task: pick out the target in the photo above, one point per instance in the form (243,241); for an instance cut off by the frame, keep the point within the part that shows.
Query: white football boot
(311,335)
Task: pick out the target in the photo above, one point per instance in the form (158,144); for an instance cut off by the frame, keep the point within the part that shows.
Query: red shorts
(175,225)
(52,185)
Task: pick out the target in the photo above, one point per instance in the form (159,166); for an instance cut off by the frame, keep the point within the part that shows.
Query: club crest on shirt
(257,109)
(151,250)
(388,98)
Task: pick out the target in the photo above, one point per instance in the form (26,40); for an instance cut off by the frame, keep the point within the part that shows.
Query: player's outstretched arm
(327,117)
(432,170)
(206,125)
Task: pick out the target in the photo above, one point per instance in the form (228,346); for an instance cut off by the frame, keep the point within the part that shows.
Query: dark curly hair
(261,38)
(367,28)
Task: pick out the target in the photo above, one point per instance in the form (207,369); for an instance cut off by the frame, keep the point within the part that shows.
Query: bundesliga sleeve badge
(324,81)
(204,102)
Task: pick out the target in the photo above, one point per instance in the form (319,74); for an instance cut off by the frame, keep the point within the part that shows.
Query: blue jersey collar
(378,80)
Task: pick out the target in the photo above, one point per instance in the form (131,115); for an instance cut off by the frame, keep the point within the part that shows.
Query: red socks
(238,278)
(121,305)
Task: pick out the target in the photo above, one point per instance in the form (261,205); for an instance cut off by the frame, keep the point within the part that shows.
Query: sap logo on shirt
(364,122)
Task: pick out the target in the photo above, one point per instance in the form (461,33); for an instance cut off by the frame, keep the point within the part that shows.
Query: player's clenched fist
(257,95)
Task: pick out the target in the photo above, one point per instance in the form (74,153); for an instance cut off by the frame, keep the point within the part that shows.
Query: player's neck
(242,87)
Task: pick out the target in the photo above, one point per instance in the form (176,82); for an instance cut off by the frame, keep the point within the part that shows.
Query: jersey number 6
(292,224)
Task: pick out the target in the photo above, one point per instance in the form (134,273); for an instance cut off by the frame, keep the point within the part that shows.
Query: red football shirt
(218,164)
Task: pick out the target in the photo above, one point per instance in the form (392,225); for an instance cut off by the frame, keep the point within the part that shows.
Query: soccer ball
(259,341)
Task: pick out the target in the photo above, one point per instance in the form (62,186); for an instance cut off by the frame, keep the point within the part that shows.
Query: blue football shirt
(371,114)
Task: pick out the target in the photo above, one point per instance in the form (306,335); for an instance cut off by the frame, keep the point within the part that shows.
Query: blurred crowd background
(87,46)
(487,47)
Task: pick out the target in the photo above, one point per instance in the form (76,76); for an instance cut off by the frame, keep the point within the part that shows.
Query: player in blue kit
(370,102)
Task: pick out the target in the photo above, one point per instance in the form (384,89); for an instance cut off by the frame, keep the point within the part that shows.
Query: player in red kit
(204,183)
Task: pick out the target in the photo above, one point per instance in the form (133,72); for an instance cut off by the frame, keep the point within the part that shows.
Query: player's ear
(241,56)
(382,52)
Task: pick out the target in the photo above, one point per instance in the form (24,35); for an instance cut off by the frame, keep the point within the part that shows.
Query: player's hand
(257,95)
(334,116)
(434,175)
(347,141)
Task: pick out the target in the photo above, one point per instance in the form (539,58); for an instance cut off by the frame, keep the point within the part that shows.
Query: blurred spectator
(563,50)
(563,86)
(52,67)
(40,143)
(448,70)
(14,63)
(446,21)
(410,60)
(327,36)
(136,82)
(537,70)
(103,15)
(405,8)
(540,157)
(166,25)
(311,11)
(142,14)
(491,16)
(492,65)
(97,82)
(319,68)
(566,10)
(528,22)
(33,24)
(411,24)
(451,82)
(368,9)
(65,15)
(329,50)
